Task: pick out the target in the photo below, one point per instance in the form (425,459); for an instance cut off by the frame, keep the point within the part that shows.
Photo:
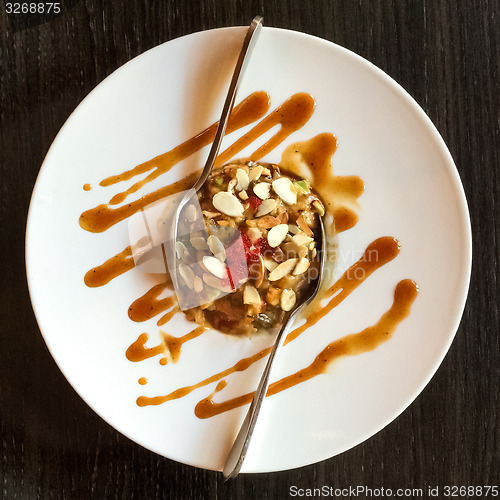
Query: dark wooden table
(445,53)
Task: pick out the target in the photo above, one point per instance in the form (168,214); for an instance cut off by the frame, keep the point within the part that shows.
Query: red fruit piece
(254,202)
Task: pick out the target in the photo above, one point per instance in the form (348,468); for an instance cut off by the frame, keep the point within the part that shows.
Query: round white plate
(413,192)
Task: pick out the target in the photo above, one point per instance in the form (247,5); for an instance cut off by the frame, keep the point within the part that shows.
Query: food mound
(262,226)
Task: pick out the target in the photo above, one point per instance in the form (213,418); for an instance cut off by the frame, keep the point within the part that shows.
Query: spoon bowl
(239,449)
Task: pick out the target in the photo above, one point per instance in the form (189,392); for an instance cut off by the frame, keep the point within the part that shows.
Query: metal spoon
(239,449)
(243,58)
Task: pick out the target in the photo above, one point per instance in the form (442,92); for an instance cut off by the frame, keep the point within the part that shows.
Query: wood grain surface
(444,53)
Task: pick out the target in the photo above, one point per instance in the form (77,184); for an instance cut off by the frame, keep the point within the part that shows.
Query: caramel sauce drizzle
(87,187)
(376,255)
(350,345)
(149,305)
(291,115)
(313,159)
(169,345)
(102,217)
(167,317)
(252,108)
(174,344)
(138,351)
(113,267)
(143,381)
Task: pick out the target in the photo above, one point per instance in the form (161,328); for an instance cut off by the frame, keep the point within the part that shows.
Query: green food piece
(219,181)
(302,186)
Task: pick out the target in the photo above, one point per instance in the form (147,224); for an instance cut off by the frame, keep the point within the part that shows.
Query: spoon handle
(239,449)
(241,64)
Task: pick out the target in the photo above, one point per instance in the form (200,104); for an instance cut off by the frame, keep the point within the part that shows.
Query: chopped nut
(254,234)
(198,284)
(262,190)
(285,189)
(251,295)
(198,242)
(277,234)
(256,272)
(255,173)
(319,207)
(282,269)
(292,228)
(215,266)
(187,275)
(273,296)
(228,204)
(210,215)
(287,299)
(230,185)
(242,178)
(302,239)
(243,195)
(191,213)
(216,283)
(302,266)
(303,226)
(266,172)
(216,247)
(181,250)
(267,222)
(292,249)
(313,253)
(270,265)
(266,206)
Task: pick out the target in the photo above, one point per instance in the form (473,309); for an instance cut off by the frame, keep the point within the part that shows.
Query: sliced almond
(243,195)
(191,213)
(285,189)
(187,275)
(199,242)
(215,266)
(283,217)
(319,207)
(267,222)
(251,295)
(302,266)
(217,248)
(303,226)
(198,284)
(302,239)
(181,250)
(277,234)
(266,172)
(262,190)
(292,228)
(231,184)
(216,283)
(228,204)
(256,272)
(255,173)
(242,179)
(269,264)
(287,299)
(292,249)
(282,269)
(254,234)
(266,206)
(313,253)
